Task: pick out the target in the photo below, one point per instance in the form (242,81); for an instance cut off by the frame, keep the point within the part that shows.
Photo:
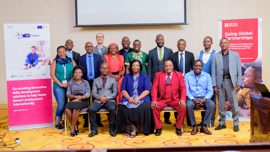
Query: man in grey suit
(104,92)
(100,49)
(156,58)
(226,77)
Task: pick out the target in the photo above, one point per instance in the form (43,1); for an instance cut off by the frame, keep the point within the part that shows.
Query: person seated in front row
(199,93)
(134,112)
(168,90)
(78,91)
(104,92)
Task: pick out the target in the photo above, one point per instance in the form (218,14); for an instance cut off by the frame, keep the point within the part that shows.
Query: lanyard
(65,71)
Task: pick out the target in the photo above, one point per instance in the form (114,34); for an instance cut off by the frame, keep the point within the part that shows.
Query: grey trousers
(228,91)
(209,105)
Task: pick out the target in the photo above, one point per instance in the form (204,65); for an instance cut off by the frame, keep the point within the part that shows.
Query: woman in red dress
(116,65)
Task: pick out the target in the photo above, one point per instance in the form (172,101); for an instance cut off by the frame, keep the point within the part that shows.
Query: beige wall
(202,19)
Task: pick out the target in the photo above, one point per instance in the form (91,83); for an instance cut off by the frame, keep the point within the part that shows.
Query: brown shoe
(194,130)
(205,130)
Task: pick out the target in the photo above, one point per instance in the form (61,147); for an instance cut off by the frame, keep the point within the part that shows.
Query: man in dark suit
(156,58)
(91,64)
(182,60)
(70,53)
(126,49)
(100,49)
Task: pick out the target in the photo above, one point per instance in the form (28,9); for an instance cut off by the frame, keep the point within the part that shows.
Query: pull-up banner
(245,37)
(28,59)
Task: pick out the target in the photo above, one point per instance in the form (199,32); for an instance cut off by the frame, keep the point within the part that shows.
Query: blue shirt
(100,50)
(88,66)
(69,54)
(31,59)
(198,86)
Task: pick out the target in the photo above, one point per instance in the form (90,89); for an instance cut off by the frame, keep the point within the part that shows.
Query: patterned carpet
(52,139)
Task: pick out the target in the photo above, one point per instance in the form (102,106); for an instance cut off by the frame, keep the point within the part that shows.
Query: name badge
(64,81)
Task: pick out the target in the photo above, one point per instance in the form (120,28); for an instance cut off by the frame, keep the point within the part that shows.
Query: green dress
(142,56)
(59,73)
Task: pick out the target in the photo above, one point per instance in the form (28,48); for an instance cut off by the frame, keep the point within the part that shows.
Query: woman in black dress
(78,91)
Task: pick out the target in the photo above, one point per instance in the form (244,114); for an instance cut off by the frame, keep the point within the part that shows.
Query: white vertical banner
(28,59)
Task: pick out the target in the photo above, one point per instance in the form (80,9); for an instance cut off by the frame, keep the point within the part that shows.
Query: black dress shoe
(99,124)
(93,133)
(158,132)
(178,132)
(72,134)
(174,124)
(236,128)
(219,127)
(168,121)
(112,133)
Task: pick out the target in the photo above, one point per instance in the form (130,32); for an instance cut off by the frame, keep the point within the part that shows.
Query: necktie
(168,79)
(160,54)
(104,82)
(90,66)
(181,63)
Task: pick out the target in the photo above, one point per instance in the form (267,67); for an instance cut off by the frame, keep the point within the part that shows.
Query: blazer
(76,56)
(178,86)
(97,64)
(234,69)
(103,52)
(189,61)
(110,91)
(153,61)
(143,84)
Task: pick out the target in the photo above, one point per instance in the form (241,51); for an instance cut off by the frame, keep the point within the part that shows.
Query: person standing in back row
(100,49)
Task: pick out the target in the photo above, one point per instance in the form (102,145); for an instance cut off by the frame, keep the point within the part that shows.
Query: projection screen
(129,12)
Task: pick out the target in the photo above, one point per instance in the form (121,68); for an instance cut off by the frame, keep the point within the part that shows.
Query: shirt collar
(208,52)
(182,52)
(162,48)
(104,76)
(91,55)
(137,53)
(69,51)
(225,54)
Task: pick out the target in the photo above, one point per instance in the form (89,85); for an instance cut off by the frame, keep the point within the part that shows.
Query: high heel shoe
(72,134)
(76,131)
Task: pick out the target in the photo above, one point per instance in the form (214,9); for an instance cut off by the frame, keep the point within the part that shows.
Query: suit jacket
(103,52)
(76,56)
(234,69)
(153,61)
(110,91)
(178,86)
(189,61)
(97,64)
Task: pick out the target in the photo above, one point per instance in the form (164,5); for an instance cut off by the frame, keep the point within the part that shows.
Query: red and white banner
(245,37)
(29,89)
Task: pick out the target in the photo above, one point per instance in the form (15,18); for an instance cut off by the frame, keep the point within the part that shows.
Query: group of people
(142,84)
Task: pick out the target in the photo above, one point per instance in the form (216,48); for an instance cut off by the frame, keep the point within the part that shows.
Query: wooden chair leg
(88,123)
(65,125)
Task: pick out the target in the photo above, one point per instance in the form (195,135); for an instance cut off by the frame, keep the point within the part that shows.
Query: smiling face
(136,67)
(104,69)
(136,46)
(78,74)
(61,52)
(224,44)
(125,42)
(197,67)
(89,48)
(168,66)
(207,43)
(100,38)
(160,41)
(34,50)
(113,49)
(181,45)
(69,45)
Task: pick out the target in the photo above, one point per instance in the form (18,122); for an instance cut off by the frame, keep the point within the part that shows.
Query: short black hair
(133,61)
(59,47)
(78,67)
(257,71)
(209,38)
(33,47)
(181,40)
(137,40)
(198,60)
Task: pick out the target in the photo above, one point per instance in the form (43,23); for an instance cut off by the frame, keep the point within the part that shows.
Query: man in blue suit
(91,64)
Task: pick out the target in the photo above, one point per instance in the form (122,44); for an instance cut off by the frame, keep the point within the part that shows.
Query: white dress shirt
(205,56)
(179,56)
(162,50)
